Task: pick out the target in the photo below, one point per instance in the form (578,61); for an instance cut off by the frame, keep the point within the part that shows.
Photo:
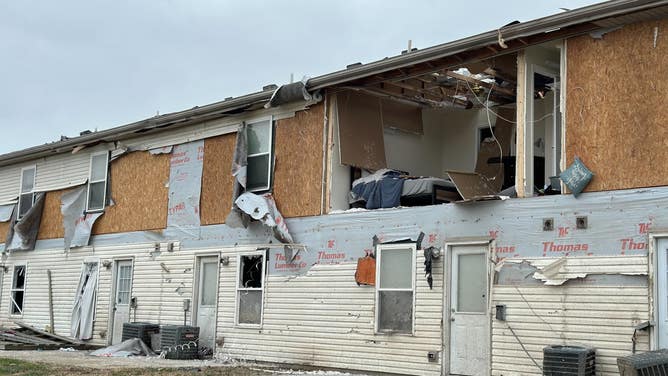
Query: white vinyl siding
(597,316)
(321,318)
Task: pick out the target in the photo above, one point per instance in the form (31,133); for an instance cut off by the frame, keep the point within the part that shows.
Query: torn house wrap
(22,234)
(77,224)
(263,208)
(237,218)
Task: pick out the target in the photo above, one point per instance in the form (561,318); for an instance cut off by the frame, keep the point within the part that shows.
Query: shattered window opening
(27,194)
(18,290)
(97,182)
(259,159)
(250,288)
(395,288)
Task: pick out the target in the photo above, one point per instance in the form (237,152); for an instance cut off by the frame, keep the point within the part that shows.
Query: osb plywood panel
(51,226)
(617,91)
(138,188)
(4,227)
(217,180)
(298,168)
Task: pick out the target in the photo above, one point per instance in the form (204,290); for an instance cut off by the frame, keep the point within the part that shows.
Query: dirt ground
(79,363)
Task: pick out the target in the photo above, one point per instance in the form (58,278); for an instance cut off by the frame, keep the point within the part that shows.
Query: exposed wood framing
(520,173)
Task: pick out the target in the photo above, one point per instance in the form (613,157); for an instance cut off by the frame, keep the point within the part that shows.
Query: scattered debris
(26,337)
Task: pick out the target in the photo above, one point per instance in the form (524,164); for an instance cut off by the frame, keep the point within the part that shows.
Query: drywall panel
(602,317)
(217,180)
(298,147)
(361,130)
(51,225)
(417,154)
(340,181)
(139,192)
(616,113)
(401,116)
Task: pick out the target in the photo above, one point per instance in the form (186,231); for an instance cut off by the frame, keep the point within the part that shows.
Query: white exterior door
(121,303)
(662,292)
(207,296)
(469,322)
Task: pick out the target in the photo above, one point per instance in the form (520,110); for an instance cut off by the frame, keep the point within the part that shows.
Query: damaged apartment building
(449,210)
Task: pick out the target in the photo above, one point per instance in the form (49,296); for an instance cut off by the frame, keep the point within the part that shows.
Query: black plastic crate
(179,341)
(569,361)
(651,363)
(141,330)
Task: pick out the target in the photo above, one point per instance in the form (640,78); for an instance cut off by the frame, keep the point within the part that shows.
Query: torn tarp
(263,208)
(77,224)
(22,234)
(130,347)
(185,181)
(6,212)
(289,93)
(237,218)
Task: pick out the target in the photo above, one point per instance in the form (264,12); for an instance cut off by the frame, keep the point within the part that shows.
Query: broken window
(17,295)
(27,194)
(395,288)
(97,181)
(260,147)
(250,288)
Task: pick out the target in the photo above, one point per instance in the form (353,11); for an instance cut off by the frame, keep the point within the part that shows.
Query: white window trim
(262,253)
(21,193)
(12,303)
(379,255)
(270,118)
(90,181)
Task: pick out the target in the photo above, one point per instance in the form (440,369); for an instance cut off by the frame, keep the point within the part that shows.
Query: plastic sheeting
(84,303)
(185,181)
(236,218)
(78,225)
(6,212)
(263,208)
(22,235)
(130,347)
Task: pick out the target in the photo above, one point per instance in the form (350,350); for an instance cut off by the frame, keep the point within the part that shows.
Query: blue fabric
(384,193)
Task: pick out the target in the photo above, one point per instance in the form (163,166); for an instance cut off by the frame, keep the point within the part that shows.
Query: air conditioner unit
(179,341)
(569,360)
(651,363)
(141,330)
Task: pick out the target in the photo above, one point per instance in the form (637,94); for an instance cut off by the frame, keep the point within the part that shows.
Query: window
(395,288)
(27,195)
(250,288)
(260,145)
(97,182)
(18,290)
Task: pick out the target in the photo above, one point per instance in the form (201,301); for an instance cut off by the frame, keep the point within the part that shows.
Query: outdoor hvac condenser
(569,361)
(141,330)
(179,341)
(651,363)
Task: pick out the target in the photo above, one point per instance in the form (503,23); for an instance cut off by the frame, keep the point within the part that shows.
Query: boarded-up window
(395,288)
(250,288)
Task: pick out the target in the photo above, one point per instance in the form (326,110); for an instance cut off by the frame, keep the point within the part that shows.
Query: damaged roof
(507,39)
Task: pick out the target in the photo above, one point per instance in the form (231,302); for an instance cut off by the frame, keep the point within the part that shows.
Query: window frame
(90,181)
(409,247)
(31,192)
(13,289)
(270,153)
(239,289)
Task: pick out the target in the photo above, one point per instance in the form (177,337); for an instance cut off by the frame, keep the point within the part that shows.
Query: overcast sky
(68,66)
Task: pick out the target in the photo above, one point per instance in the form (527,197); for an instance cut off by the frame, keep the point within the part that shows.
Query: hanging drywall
(360,130)
(185,181)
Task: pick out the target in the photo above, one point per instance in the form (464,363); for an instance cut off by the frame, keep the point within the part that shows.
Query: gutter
(539,26)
